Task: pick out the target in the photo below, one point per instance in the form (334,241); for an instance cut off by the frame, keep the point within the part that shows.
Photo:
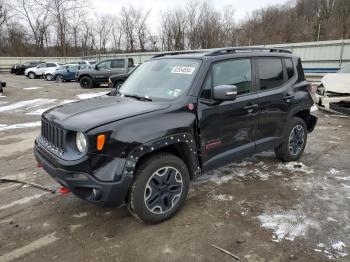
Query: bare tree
(62,11)
(35,17)
(117,34)
(103,30)
(3,14)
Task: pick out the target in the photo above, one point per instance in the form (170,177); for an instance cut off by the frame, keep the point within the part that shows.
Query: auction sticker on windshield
(187,70)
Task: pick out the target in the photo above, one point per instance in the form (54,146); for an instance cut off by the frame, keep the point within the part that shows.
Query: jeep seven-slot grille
(52,135)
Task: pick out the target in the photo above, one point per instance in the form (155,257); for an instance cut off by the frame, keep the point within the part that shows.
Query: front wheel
(31,75)
(160,187)
(294,142)
(86,82)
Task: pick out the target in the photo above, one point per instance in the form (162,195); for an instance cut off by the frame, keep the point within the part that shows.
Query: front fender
(184,140)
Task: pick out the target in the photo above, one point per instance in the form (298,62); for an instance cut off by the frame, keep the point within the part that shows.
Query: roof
(223,51)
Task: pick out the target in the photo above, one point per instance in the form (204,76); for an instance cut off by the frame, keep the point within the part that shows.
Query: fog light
(96,193)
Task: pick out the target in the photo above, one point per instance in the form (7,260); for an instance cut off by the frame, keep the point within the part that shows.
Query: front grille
(52,136)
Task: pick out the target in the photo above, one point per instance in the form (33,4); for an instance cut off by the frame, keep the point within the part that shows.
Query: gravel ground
(259,209)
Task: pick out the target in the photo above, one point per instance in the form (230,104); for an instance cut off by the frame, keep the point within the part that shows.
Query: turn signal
(101,139)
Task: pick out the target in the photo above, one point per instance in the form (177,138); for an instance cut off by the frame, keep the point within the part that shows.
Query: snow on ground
(32,88)
(287,225)
(91,95)
(4,127)
(222,197)
(26,104)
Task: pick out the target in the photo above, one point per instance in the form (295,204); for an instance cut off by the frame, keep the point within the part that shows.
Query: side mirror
(225,92)
(96,67)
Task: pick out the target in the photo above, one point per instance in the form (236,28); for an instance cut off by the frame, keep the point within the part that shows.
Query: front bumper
(85,185)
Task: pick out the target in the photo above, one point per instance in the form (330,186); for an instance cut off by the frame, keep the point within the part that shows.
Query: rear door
(227,129)
(118,66)
(275,99)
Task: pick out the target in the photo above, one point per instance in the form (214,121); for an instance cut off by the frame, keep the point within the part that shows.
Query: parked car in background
(103,70)
(116,80)
(177,116)
(333,94)
(19,69)
(67,72)
(83,62)
(2,84)
(37,71)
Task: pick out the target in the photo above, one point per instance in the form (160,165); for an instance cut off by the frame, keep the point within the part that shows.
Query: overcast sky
(241,7)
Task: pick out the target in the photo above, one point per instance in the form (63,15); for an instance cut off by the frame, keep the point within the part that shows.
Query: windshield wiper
(141,98)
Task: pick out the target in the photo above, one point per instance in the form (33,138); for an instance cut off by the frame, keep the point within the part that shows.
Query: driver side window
(231,72)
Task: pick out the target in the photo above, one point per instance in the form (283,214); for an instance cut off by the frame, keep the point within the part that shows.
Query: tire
(294,142)
(86,82)
(59,78)
(117,84)
(158,179)
(31,75)
(48,77)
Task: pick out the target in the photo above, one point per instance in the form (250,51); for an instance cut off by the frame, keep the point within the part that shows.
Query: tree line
(70,27)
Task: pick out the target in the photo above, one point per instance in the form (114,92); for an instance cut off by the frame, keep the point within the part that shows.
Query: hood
(84,115)
(337,83)
(30,68)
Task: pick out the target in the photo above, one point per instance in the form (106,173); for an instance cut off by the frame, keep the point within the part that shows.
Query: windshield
(163,79)
(345,69)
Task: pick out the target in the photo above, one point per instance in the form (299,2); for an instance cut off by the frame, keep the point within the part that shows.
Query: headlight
(81,142)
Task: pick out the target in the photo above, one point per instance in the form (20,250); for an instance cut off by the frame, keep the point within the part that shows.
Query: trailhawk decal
(187,70)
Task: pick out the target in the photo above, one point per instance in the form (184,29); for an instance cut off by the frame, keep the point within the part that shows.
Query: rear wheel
(59,78)
(160,187)
(31,75)
(294,142)
(86,82)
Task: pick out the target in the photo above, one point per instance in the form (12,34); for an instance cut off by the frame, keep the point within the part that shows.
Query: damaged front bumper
(86,184)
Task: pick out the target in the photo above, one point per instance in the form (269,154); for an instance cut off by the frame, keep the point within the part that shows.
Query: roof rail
(223,51)
(177,53)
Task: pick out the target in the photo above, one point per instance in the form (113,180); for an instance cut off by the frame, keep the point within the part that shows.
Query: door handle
(251,107)
(288,97)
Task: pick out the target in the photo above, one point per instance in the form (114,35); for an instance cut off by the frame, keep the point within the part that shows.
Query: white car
(333,94)
(37,71)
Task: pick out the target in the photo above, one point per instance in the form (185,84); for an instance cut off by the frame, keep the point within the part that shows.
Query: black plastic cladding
(153,146)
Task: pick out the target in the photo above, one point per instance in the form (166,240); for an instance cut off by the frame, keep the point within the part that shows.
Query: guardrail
(324,54)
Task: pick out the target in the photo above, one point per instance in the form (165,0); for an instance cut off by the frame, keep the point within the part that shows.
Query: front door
(103,71)
(227,129)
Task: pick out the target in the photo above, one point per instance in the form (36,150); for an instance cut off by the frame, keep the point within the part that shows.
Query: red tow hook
(64,190)
(39,165)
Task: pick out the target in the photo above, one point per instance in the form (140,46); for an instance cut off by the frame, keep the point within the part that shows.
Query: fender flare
(298,108)
(186,139)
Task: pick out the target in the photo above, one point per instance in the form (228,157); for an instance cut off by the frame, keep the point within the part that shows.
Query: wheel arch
(86,75)
(304,112)
(181,145)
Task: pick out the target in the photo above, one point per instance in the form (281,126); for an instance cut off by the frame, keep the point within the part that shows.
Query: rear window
(301,76)
(119,63)
(289,68)
(270,73)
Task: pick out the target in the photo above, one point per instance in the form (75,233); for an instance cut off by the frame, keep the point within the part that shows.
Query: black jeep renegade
(177,116)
